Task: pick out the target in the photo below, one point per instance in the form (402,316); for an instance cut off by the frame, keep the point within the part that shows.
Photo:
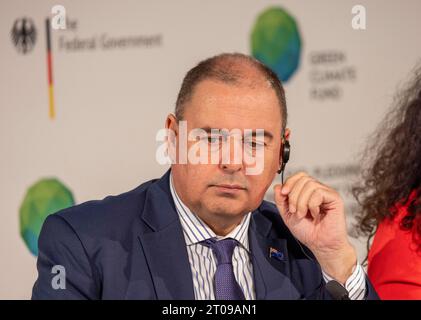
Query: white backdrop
(110,102)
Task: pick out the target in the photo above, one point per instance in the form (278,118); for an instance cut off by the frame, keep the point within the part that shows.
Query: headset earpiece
(286,150)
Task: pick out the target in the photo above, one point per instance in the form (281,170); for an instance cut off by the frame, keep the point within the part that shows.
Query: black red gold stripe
(50,70)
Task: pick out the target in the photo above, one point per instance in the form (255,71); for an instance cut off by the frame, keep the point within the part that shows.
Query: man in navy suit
(203,231)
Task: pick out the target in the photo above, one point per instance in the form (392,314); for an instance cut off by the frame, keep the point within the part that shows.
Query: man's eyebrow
(267,134)
(207,129)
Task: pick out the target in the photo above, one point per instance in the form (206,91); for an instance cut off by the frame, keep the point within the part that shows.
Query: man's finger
(296,191)
(289,183)
(303,197)
(281,202)
(314,202)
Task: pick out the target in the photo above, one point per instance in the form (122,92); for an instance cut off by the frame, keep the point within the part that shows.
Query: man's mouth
(229,188)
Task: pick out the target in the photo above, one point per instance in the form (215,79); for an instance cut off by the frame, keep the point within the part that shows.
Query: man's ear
(287,133)
(172,123)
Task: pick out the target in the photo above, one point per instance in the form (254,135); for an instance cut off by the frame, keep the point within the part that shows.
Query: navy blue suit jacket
(131,246)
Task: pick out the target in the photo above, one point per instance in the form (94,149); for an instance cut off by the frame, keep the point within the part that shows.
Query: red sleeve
(395,266)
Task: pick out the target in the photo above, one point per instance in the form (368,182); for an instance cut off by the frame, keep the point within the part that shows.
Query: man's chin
(229,209)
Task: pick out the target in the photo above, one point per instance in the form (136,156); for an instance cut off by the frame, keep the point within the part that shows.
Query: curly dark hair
(392,166)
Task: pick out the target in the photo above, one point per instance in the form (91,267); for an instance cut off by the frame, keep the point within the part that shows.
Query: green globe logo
(42,199)
(276,42)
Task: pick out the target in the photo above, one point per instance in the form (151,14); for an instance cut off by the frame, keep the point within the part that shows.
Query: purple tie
(226,287)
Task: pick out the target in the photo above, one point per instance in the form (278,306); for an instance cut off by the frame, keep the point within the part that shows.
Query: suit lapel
(165,247)
(272,277)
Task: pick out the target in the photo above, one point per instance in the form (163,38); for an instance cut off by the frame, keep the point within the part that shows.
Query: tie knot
(223,249)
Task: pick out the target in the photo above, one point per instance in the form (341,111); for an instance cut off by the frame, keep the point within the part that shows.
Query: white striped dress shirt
(203,261)
(355,284)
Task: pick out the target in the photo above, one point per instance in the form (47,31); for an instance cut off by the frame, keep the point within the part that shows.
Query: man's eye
(213,139)
(254,144)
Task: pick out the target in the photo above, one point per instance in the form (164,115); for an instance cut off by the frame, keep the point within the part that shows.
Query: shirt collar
(196,230)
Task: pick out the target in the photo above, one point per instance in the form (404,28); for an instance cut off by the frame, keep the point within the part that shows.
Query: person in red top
(394,265)
(390,198)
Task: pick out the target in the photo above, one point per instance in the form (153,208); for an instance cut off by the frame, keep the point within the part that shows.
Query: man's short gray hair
(228,68)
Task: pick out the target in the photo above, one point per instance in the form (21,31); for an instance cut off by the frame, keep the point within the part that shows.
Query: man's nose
(232,160)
